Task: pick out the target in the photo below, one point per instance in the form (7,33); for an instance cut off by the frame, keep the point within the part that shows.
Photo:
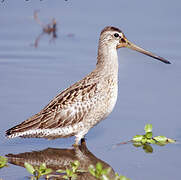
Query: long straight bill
(141,50)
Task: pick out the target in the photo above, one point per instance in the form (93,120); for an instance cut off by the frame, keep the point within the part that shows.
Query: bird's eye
(116,35)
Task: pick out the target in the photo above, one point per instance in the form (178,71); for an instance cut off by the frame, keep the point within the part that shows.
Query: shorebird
(84,104)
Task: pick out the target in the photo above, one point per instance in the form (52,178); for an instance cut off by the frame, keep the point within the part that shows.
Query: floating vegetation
(99,172)
(146,139)
(120,177)
(3,162)
(90,166)
(103,174)
(37,172)
(71,164)
(49,29)
(72,172)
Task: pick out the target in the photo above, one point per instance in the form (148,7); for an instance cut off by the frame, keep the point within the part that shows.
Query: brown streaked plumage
(81,106)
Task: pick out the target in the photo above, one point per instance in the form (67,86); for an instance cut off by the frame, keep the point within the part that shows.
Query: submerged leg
(82,141)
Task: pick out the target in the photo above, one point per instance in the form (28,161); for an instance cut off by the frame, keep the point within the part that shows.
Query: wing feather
(67,108)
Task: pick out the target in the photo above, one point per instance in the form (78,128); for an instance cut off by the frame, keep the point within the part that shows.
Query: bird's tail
(21,129)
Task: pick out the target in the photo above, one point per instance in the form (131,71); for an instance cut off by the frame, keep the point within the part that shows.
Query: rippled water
(149,91)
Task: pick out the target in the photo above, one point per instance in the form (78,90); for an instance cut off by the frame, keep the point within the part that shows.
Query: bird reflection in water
(55,159)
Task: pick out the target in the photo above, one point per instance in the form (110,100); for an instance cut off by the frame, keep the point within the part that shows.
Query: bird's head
(113,36)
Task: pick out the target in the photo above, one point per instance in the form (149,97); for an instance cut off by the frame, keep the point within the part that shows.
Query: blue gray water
(149,91)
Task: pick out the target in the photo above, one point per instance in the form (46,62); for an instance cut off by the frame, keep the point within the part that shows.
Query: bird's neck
(107,59)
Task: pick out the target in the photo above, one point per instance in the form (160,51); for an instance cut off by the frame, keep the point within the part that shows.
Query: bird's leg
(79,137)
(77,140)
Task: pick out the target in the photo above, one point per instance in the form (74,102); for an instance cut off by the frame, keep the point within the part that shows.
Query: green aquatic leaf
(124,178)
(42,166)
(137,144)
(37,172)
(61,171)
(137,138)
(99,166)
(106,171)
(69,172)
(75,165)
(149,135)
(104,177)
(151,141)
(98,171)
(161,143)
(47,171)
(147,148)
(120,177)
(147,138)
(148,128)
(3,161)
(160,139)
(143,141)
(29,168)
(92,170)
(42,170)
(65,177)
(171,140)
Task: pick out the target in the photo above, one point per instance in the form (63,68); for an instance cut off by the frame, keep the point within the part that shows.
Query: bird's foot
(82,141)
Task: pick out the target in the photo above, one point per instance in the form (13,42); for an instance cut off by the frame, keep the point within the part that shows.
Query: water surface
(149,91)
